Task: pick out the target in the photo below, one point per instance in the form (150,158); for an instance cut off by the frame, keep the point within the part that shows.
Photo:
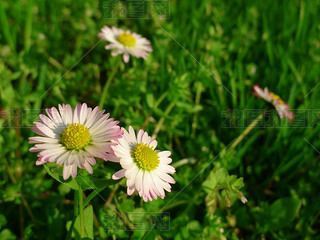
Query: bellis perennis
(281,107)
(125,42)
(74,137)
(146,169)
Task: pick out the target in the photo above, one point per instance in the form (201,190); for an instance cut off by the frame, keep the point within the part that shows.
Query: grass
(175,95)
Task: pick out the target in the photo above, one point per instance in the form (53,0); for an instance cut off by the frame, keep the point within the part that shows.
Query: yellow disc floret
(75,137)
(275,97)
(145,157)
(127,39)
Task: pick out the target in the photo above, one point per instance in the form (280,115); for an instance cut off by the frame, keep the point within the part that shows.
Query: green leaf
(150,100)
(221,176)
(231,160)
(56,173)
(137,215)
(11,192)
(220,180)
(89,182)
(194,226)
(282,212)
(191,230)
(64,189)
(93,194)
(210,183)
(3,220)
(100,178)
(127,205)
(7,235)
(238,183)
(84,180)
(88,218)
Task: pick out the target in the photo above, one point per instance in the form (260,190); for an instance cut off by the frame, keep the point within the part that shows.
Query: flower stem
(157,103)
(76,204)
(124,216)
(246,131)
(107,84)
(81,210)
(161,121)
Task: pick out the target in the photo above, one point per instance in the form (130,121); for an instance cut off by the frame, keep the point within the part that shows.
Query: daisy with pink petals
(146,169)
(125,42)
(74,137)
(281,106)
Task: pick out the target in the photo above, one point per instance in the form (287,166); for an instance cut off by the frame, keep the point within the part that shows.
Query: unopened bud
(243,200)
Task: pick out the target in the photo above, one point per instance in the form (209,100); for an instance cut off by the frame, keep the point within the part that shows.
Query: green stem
(80,195)
(124,216)
(196,102)
(4,21)
(75,214)
(183,162)
(76,204)
(107,84)
(164,209)
(246,131)
(92,195)
(161,121)
(161,98)
(28,28)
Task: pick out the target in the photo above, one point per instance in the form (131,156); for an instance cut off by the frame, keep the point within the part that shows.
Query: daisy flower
(146,169)
(126,43)
(281,107)
(74,137)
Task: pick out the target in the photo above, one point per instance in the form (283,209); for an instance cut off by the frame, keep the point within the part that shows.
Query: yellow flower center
(275,97)
(127,39)
(145,157)
(75,137)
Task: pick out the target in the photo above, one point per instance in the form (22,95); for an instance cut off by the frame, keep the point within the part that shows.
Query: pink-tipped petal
(118,175)
(100,130)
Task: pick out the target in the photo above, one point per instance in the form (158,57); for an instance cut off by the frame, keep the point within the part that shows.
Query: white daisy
(281,106)
(146,169)
(74,137)
(126,43)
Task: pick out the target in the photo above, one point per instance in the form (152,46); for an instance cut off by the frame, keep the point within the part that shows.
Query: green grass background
(176,98)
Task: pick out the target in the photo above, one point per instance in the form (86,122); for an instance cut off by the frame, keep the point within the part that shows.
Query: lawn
(241,171)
